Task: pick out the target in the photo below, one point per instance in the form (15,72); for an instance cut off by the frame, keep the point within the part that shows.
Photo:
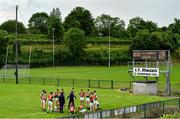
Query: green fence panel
(81,83)
(93,83)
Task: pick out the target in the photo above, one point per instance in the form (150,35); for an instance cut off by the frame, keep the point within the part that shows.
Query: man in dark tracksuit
(71,99)
(61,101)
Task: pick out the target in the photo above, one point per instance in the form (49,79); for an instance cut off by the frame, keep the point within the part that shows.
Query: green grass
(119,74)
(22,101)
(81,75)
(40,47)
(103,39)
(106,47)
(116,73)
(177,115)
(89,47)
(31,36)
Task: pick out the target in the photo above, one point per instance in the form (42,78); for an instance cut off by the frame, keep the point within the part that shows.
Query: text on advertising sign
(140,71)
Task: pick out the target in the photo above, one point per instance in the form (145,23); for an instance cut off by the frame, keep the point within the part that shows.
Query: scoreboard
(150,54)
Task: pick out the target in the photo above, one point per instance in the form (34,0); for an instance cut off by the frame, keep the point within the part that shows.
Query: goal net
(8,71)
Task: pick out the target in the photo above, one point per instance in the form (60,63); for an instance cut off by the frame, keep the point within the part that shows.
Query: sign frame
(143,71)
(160,55)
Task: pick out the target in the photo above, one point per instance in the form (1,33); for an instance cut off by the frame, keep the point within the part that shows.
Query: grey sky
(161,12)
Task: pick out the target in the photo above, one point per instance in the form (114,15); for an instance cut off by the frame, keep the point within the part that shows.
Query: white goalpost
(8,70)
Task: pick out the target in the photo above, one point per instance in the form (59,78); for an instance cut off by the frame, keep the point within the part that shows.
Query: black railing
(84,83)
(106,84)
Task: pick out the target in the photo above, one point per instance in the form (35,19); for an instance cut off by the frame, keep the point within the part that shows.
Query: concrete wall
(145,88)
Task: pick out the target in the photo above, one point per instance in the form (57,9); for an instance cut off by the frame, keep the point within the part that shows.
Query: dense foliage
(84,40)
(145,40)
(55,25)
(38,23)
(106,25)
(75,42)
(137,23)
(3,45)
(81,18)
(10,26)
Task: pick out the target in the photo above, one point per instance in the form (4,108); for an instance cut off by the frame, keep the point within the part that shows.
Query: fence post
(57,81)
(124,114)
(112,113)
(88,83)
(43,80)
(73,83)
(145,110)
(163,106)
(111,84)
(3,79)
(29,80)
(179,103)
(100,114)
(98,83)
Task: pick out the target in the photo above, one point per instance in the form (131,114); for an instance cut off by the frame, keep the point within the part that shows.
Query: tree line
(79,17)
(79,23)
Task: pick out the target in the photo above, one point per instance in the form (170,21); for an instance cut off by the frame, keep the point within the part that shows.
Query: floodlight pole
(6,60)
(16,73)
(109,62)
(30,51)
(53,45)
(168,85)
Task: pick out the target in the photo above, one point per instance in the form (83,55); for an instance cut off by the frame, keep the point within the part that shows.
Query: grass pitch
(22,101)
(115,73)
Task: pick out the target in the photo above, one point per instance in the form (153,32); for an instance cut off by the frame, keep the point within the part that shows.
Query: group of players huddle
(56,101)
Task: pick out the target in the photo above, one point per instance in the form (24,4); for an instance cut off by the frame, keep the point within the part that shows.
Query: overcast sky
(161,12)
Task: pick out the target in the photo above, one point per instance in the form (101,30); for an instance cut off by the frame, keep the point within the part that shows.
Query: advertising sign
(151,72)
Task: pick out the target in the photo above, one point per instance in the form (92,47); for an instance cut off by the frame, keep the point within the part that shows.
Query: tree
(145,40)
(56,13)
(38,23)
(10,26)
(55,22)
(18,48)
(137,23)
(81,18)
(151,26)
(175,27)
(3,45)
(75,42)
(117,26)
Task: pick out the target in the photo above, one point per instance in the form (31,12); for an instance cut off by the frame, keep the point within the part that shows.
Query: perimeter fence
(148,110)
(84,83)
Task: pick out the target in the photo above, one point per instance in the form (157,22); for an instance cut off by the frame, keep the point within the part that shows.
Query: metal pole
(109,63)
(53,45)
(29,60)
(168,85)
(146,67)
(16,73)
(6,61)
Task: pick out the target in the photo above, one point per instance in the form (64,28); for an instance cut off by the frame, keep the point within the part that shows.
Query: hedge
(41,58)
